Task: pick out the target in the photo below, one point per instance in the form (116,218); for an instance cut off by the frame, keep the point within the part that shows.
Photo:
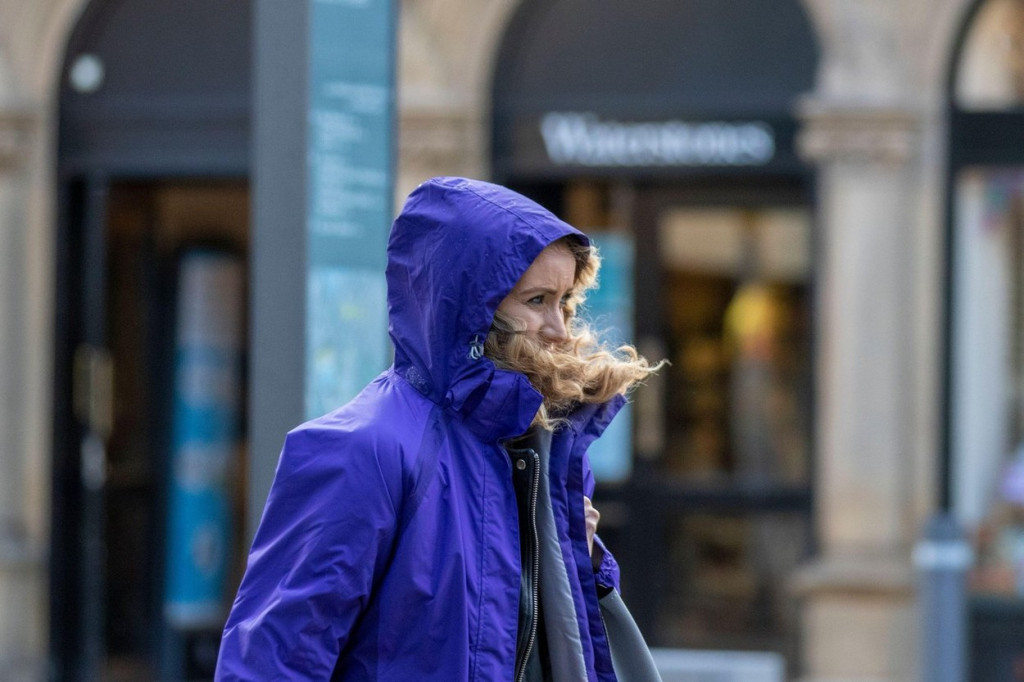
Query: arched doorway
(667,130)
(984,464)
(153,162)
(987,132)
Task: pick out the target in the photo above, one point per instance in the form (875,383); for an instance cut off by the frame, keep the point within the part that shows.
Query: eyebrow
(542,290)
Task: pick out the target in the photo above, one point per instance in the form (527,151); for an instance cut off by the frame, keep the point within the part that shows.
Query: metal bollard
(941,559)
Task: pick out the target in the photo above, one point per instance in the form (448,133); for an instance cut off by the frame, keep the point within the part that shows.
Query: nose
(554,329)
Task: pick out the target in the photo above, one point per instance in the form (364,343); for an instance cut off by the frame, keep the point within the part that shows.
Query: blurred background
(813,208)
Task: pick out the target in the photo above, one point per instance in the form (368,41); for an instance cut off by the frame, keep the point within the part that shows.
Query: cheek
(523,313)
(532,320)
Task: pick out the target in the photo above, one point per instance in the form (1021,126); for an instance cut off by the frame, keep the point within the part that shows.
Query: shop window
(735,308)
(988,367)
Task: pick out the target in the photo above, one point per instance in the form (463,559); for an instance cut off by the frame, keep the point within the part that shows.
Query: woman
(438,526)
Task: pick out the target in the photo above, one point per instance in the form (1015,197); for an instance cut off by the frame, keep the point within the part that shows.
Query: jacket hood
(456,250)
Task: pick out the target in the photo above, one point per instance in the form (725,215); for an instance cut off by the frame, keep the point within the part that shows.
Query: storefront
(149,440)
(667,132)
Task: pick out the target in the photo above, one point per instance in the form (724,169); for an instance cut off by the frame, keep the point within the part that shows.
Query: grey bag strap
(631,658)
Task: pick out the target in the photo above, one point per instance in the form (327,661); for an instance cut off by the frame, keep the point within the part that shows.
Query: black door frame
(76,598)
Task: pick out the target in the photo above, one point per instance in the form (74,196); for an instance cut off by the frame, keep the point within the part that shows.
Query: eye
(536,300)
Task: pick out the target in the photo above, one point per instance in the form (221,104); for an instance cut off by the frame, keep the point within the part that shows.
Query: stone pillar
(857,595)
(22,553)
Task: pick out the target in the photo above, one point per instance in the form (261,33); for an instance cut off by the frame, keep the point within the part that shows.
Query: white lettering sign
(584,139)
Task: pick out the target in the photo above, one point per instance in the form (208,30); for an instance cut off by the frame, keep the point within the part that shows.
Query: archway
(153,163)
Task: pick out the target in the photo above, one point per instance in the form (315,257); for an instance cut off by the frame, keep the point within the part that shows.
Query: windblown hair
(583,369)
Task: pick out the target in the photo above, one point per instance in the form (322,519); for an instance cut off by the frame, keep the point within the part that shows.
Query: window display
(988,373)
(736,315)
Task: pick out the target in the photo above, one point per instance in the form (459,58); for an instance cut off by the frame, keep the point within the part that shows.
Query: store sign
(581,138)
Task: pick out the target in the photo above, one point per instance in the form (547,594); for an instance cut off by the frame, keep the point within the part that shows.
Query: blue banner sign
(206,436)
(350,162)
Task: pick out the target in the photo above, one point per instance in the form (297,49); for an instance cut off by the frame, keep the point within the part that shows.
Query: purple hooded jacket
(389,545)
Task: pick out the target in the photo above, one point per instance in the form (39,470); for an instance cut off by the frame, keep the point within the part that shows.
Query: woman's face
(538,299)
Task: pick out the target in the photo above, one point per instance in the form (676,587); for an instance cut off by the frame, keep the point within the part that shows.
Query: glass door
(149,466)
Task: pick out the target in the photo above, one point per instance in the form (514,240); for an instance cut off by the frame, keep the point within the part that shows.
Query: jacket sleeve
(606,570)
(323,540)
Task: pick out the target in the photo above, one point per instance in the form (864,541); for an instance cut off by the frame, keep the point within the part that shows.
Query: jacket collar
(497,404)
(590,421)
(493,403)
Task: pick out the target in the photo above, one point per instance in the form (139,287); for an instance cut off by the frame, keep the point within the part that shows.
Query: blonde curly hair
(582,369)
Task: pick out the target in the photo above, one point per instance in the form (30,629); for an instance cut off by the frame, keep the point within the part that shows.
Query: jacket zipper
(535,578)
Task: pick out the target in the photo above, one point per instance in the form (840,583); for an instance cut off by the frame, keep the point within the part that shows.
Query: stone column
(22,553)
(857,595)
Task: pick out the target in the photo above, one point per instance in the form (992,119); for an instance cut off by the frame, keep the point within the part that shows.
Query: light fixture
(86,74)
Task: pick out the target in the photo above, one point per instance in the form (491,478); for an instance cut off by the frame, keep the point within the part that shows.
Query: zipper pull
(476,348)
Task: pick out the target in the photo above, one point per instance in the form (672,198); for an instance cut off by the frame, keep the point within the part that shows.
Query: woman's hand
(592,516)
